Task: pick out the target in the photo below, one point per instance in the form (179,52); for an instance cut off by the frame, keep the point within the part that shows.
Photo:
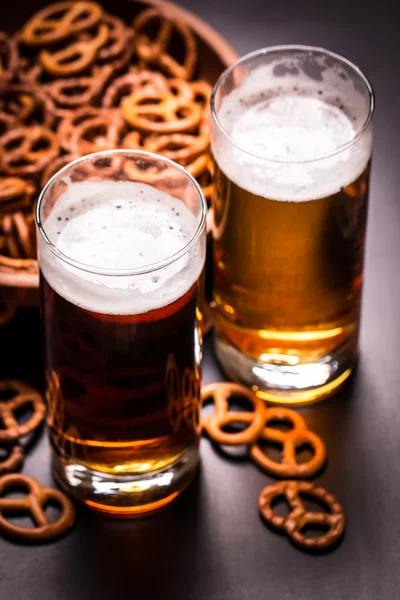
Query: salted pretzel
(182,148)
(75,58)
(34,503)
(154,49)
(18,229)
(59,21)
(131,82)
(19,154)
(220,393)
(69,123)
(54,166)
(21,395)
(154,111)
(14,459)
(15,193)
(290,440)
(98,133)
(26,104)
(300,517)
(8,58)
(76,92)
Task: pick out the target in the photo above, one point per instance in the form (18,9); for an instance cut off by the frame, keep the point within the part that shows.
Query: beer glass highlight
(291,141)
(122,250)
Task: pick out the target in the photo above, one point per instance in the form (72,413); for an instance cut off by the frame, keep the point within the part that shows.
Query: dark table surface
(211,543)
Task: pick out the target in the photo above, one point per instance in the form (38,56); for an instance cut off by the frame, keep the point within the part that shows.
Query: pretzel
(117,39)
(75,58)
(54,166)
(34,503)
(121,62)
(15,193)
(220,394)
(154,111)
(154,50)
(69,123)
(20,235)
(151,174)
(98,133)
(132,141)
(26,104)
(180,89)
(290,440)
(14,459)
(8,58)
(299,516)
(19,155)
(199,165)
(182,148)
(47,26)
(201,91)
(73,93)
(23,395)
(131,82)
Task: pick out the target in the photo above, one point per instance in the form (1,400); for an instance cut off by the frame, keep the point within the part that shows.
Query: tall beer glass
(121,249)
(291,141)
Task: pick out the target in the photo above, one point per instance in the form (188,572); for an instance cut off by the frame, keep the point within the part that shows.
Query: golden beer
(289,229)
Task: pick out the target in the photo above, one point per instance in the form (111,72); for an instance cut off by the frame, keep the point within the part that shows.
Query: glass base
(125,495)
(287,384)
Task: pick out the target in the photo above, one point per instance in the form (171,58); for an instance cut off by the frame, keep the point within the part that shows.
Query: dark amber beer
(292,146)
(122,292)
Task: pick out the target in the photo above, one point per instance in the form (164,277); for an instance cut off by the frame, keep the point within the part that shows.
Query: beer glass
(291,142)
(121,238)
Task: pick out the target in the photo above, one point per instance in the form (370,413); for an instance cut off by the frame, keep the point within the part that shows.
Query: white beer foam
(292,119)
(120,225)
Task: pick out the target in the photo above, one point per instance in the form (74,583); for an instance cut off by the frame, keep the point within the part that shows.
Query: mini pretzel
(117,39)
(98,133)
(73,93)
(26,104)
(299,516)
(54,166)
(75,58)
(8,58)
(14,460)
(132,141)
(120,62)
(179,147)
(23,395)
(69,123)
(20,235)
(14,190)
(150,174)
(47,26)
(220,394)
(199,165)
(19,155)
(154,50)
(132,82)
(290,440)
(153,111)
(34,503)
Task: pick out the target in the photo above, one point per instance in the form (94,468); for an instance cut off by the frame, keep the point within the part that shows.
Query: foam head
(285,135)
(120,225)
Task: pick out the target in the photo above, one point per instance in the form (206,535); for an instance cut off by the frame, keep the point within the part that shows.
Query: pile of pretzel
(262,428)
(75,80)
(20,397)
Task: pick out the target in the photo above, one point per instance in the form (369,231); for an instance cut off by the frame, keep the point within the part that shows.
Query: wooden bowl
(215,54)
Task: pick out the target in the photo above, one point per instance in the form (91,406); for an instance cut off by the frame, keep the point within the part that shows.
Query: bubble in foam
(277,130)
(114,226)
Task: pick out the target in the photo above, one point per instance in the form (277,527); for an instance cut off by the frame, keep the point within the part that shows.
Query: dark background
(211,543)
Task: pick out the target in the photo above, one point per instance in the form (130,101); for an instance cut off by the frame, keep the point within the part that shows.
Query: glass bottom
(128,495)
(287,383)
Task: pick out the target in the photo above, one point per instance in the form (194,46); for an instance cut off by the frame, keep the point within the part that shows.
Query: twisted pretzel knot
(23,395)
(34,503)
(98,133)
(8,58)
(14,460)
(299,516)
(180,147)
(154,111)
(290,440)
(22,152)
(117,39)
(69,123)
(155,50)
(15,193)
(183,397)
(26,104)
(74,58)
(48,26)
(220,394)
(131,82)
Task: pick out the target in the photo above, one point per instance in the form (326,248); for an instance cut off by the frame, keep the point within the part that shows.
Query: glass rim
(130,271)
(304,48)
